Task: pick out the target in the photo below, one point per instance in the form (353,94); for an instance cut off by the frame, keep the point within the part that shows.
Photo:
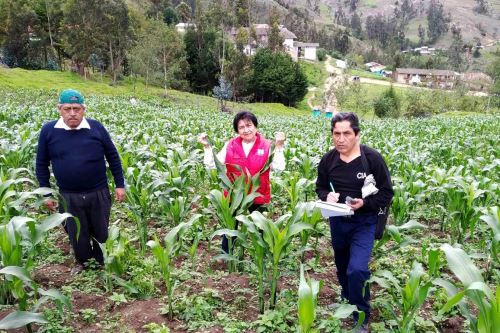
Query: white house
(304,51)
(341,64)
(292,46)
(425,50)
(183,27)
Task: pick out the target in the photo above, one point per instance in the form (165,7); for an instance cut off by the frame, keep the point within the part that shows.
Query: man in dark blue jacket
(357,175)
(77,148)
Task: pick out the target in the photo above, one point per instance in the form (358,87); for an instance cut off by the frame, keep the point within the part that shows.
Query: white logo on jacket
(260,152)
(361,175)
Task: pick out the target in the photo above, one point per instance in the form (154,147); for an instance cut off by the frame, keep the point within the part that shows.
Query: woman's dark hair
(244,115)
(347,116)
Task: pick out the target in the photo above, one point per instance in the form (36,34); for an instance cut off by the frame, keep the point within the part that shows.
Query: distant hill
(486,28)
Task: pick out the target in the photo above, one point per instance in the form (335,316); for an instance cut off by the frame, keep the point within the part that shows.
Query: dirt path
(311,98)
(336,77)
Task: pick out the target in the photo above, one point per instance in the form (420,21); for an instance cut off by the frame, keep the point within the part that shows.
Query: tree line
(113,38)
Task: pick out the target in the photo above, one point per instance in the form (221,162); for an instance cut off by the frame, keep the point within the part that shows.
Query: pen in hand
(331,187)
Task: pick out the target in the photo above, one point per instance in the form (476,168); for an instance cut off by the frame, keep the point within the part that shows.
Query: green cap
(71,96)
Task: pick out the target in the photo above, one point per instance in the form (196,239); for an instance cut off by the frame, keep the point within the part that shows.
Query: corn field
(435,270)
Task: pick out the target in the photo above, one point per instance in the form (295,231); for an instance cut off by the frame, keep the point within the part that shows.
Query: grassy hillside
(53,80)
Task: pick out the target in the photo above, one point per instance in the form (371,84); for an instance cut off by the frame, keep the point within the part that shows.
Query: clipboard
(329,209)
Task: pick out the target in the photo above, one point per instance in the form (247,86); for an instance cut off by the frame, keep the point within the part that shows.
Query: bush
(336,54)
(387,105)
(321,54)
(470,104)
(419,104)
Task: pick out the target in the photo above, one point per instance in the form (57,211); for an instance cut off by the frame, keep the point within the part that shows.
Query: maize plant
(393,233)
(310,216)
(18,243)
(257,248)
(492,219)
(295,186)
(10,199)
(178,165)
(166,254)
(308,301)
(19,154)
(114,251)
(20,283)
(306,165)
(406,300)
(239,196)
(484,316)
(176,208)
(278,236)
(461,196)
(140,193)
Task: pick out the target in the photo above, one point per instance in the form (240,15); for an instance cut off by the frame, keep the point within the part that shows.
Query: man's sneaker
(362,329)
(77,269)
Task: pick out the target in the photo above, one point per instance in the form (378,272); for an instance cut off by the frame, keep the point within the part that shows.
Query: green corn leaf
(21,318)
(306,304)
(20,272)
(461,265)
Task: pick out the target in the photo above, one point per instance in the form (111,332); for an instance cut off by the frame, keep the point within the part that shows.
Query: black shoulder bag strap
(364,161)
(383,212)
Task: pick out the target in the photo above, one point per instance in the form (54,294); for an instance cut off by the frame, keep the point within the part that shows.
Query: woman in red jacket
(249,150)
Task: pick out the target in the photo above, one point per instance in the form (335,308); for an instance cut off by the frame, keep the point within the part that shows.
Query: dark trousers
(225,242)
(352,241)
(92,210)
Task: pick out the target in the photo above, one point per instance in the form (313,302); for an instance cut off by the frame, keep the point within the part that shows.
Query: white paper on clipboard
(334,209)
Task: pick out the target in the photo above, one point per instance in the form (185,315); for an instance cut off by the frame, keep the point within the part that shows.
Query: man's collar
(61,124)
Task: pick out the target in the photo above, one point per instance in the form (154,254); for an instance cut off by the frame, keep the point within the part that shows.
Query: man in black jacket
(342,177)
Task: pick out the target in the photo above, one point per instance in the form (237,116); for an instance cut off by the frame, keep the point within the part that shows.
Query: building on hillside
(477,81)
(425,50)
(374,67)
(296,49)
(436,78)
(304,51)
(183,27)
(341,64)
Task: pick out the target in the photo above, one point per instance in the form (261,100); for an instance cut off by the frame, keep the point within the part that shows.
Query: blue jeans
(352,241)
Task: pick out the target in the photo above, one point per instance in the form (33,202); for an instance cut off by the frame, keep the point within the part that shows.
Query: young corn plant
(461,197)
(20,237)
(114,251)
(406,300)
(167,253)
(177,208)
(306,165)
(484,315)
(239,194)
(10,198)
(19,154)
(296,187)
(175,169)
(24,289)
(395,235)
(310,216)
(257,249)
(278,236)
(18,247)
(140,194)
(308,301)
(492,219)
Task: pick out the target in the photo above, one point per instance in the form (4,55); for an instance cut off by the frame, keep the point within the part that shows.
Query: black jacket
(329,169)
